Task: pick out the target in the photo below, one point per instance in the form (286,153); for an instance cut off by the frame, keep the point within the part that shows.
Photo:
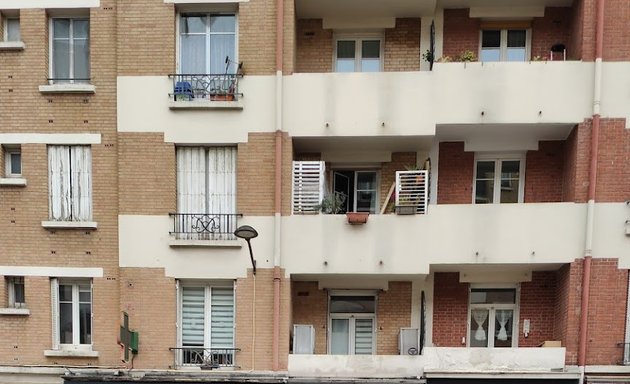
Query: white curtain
(222,180)
(191,180)
(81,181)
(59,182)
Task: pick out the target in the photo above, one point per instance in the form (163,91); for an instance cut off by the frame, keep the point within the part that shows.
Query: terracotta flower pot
(357,217)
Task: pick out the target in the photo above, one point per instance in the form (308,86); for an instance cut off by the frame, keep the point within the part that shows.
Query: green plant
(445,59)
(467,56)
(428,56)
(332,203)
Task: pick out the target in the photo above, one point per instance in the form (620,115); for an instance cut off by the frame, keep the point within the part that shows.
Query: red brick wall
(537,303)
(450,310)
(402,46)
(455,174)
(574,44)
(566,325)
(461,33)
(393,313)
(551,29)
(543,170)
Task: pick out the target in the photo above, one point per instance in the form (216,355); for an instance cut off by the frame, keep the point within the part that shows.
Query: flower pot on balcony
(355,218)
(225,97)
(406,210)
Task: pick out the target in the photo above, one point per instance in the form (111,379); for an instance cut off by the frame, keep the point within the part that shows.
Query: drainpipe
(278,185)
(592,183)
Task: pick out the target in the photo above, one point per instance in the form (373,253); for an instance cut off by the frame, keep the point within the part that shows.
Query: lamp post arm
(251,256)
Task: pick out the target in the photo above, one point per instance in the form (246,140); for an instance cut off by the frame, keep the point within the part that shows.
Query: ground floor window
(352,324)
(493,315)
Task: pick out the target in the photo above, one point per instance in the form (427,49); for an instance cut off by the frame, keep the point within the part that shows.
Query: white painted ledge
(12,45)
(67,88)
(206,104)
(70,353)
(12,182)
(69,224)
(205,243)
(14,312)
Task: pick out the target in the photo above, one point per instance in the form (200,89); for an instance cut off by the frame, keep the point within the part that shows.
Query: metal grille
(204,226)
(205,87)
(308,186)
(411,192)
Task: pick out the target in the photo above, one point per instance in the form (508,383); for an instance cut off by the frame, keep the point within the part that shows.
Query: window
(206,40)
(352,322)
(492,318)
(70,182)
(499,180)
(207,324)
(11,29)
(15,291)
(70,47)
(13,161)
(359,190)
(206,192)
(358,54)
(504,45)
(72,312)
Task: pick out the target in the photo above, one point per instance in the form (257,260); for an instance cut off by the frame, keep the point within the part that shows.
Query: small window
(15,291)
(12,29)
(498,181)
(504,45)
(75,312)
(13,161)
(358,55)
(70,182)
(70,50)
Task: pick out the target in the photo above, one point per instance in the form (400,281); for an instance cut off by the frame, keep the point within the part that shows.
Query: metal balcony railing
(218,87)
(205,358)
(204,226)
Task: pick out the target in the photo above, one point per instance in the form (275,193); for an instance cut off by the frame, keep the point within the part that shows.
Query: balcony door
(360,189)
(352,322)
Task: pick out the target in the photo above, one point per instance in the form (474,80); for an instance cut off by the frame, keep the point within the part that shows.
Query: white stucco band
(50,138)
(50,271)
(21,4)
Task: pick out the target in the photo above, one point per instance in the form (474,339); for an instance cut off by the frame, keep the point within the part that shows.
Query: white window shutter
(54,305)
(308,186)
(412,191)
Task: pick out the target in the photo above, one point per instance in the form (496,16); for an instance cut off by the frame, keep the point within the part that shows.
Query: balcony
(203,229)
(209,91)
(205,358)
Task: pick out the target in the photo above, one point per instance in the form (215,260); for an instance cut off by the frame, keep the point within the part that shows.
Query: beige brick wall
(147,174)
(400,162)
(149,298)
(402,46)
(314,51)
(393,312)
(310,307)
(256,174)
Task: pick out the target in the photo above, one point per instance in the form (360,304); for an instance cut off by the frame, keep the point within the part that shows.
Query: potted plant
(355,218)
(332,203)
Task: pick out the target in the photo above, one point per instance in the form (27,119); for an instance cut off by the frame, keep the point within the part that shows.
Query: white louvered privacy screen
(411,190)
(308,186)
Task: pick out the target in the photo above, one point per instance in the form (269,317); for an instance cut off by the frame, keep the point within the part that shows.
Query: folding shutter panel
(222,318)
(411,190)
(59,182)
(81,181)
(308,186)
(193,316)
(54,305)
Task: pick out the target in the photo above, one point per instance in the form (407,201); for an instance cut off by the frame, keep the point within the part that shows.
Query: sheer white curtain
(191,180)
(222,42)
(222,180)
(59,182)
(81,181)
(205,41)
(70,182)
(193,44)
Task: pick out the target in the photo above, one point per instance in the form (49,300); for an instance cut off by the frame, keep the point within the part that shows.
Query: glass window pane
(503,321)
(484,184)
(81,59)
(192,24)
(370,65)
(85,323)
(65,322)
(363,335)
(345,65)
(370,49)
(479,327)
(19,296)
(16,163)
(352,304)
(61,28)
(223,23)
(493,296)
(366,201)
(193,316)
(490,39)
(490,54)
(345,49)
(80,29)
(61,59)
(516,38)
(65,293)
(13,29)
(510,181)
(366,180)
(222,46)
(340,335)
(193,54)
(516,54)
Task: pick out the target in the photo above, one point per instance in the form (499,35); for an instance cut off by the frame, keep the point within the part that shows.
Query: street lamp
(247,232)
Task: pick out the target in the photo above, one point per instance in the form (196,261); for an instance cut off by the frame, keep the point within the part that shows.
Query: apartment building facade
(439,191)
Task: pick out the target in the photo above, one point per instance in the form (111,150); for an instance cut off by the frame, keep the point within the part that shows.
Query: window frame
(178,41)
(358,37)
(51,66)
(76,322)
(5,29)
(11,292)
(492,313)
(352,317)
(71,197)
(354,190)
(503,44)
(498,159)
(8,162)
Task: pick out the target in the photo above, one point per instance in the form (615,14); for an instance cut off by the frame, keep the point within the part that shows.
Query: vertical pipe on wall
(590,213)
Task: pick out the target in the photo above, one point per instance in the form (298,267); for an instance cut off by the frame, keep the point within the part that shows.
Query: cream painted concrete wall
(22,4)
(444,360)
(144,242)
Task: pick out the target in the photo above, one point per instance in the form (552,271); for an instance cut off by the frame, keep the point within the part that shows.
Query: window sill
(14,312)
(69,224)
(12,182)
(206,243)
(80,352)
(206,104)
(67,88)
(12,45)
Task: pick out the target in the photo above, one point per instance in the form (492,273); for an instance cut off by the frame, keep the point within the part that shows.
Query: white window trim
(499,157)
(503,43)
(5,29)
(516,306)
(178,59)
(82,86)
(358,37)
(351,317)
(8,151)
(11,292)
(74,349)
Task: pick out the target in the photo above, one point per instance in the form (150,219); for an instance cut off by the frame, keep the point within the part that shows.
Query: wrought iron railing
(219,87)
(204,226)
(205,358)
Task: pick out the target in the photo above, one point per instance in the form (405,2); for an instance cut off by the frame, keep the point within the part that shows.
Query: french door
(351,335)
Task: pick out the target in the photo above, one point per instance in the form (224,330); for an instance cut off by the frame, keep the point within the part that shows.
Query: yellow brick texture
(310,307)
(255,175)
(402,46)
(314,51)
(393,312)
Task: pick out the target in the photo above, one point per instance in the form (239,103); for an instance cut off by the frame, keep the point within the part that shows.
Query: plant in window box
(467,57)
